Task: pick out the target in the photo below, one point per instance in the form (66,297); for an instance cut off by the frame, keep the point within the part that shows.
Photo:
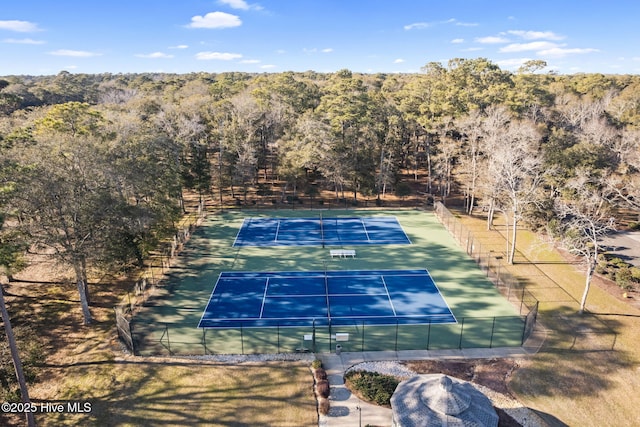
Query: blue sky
(180,36)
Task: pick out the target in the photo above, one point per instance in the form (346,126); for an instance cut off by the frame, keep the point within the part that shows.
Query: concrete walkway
(348,411)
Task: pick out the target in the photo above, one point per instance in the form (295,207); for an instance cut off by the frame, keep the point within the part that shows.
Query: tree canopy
(93,166)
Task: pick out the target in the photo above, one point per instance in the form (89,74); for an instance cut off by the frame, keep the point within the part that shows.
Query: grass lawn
(87,364)
(180,393)
(586,374)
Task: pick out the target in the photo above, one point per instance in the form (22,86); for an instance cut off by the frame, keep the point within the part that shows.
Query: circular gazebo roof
(438,400)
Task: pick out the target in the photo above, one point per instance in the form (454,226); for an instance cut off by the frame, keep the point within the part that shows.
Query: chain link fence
(155,269)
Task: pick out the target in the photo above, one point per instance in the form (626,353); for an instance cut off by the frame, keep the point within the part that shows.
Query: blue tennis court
(321,231)
(376,297)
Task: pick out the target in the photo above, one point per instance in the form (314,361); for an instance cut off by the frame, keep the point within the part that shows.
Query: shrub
(634,225)
(323,389)
(373,386)
(320,374)
(624,277)
(316,364)
(323,406)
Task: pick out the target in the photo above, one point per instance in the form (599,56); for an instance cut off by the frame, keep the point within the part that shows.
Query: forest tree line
(94,167)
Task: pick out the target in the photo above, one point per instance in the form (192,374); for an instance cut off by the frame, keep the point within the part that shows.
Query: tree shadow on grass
(190,394)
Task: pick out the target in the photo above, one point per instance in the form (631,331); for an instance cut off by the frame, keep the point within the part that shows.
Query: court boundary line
(275,237)
(338,242)
(264,296)
(384,283)
(267,275)
(238,233)
(320,274)
(364,227)
(408,316)
(204,311)
(323,295)
(402,228)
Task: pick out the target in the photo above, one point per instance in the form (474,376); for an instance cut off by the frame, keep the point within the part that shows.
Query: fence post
(362,340)
(397,322)
(166,328)
(429,334)
(461,333)
(242,338)
(493,328)
(313,335)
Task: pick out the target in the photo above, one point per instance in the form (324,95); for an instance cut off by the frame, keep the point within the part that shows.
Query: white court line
(239,230)
(264,297)
(388,296)
(365,229)
(287,296)
(402,228)
(275,238)
(209,300)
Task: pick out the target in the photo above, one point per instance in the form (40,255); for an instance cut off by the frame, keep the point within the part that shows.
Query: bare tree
(582,220)
(515,167)
(471,127)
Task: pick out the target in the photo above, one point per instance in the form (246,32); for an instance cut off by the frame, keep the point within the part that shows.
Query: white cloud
(281,51)
(545,48)
(74,53)
(327,50)
(155,55)
(19,26)
(457,41)
(423,25)
(398,61)
(235,4)
(267,66)
(522,47)
(215,20)
(180,46)
(492,40)
(464,24)
(417,26)
(559,52)
(221,56)
(513,63)
(250,61)
(240,4)
(536,35)
(23,41)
